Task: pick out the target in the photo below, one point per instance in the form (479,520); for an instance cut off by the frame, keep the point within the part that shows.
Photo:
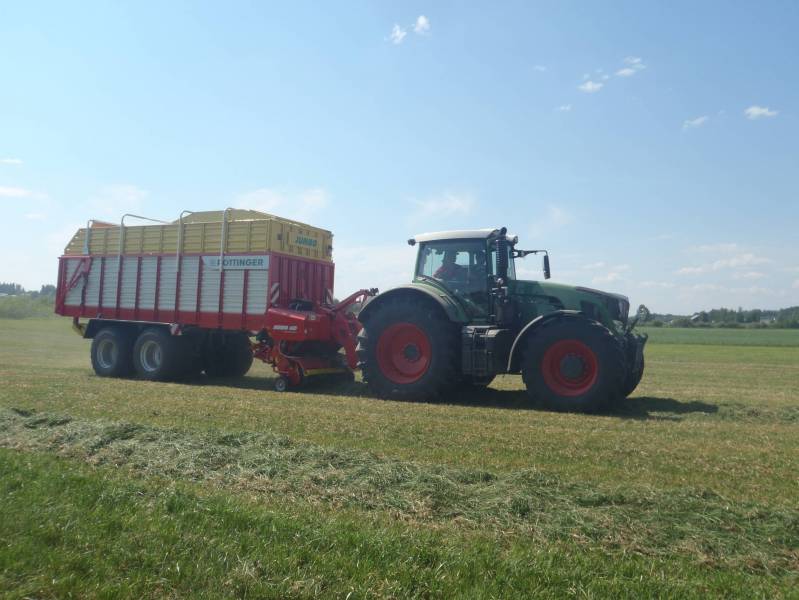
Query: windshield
(460,266)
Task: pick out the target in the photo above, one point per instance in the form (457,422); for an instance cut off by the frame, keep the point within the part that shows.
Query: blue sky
(651,147)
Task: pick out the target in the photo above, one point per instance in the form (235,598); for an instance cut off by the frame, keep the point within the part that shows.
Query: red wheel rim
(569,368)
(403,353)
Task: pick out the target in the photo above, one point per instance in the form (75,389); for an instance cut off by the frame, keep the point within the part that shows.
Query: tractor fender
(450,307)
(515,350)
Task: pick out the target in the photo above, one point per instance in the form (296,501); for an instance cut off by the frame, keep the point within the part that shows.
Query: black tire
(112,352)
(159,356)
(228,355)
(573,364)
(425,368)
(633,379)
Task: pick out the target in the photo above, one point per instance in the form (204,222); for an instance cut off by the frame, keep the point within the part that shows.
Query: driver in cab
(449,269)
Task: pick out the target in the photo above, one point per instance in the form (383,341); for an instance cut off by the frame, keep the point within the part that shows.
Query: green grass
(77,531)
(689,489)
(25,307)
(722,337)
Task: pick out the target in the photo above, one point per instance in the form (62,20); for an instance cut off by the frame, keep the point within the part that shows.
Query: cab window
(461,266)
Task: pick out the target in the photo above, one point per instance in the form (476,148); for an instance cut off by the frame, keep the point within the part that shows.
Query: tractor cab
(473,265)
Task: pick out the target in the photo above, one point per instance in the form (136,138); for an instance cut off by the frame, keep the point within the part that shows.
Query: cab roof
(458,235)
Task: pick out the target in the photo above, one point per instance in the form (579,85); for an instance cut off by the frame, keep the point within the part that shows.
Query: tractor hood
(590,301)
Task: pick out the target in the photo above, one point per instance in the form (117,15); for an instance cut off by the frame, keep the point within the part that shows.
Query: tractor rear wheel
(408,351)
(574,365)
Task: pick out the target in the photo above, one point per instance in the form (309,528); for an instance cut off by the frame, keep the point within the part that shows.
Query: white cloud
(540,68)
(749,275)
(662,237)
(694,123)
(35,216)
(380,266)
(666,285)
(422,25)
(722,248)
(552,218)
(607,278)
(564,108)
(112,201)
(558,216)
(594,266)
(443,205)
(632,64)
(691,270)
(590,87)
(397,34)
(10,161)
(610,274)
(759,112)
(741,260)
(795,285)
(17,192)
(301,206)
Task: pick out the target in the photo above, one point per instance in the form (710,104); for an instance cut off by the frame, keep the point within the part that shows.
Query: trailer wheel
(111,352)
(158,356)
(281,384)
(573,365)
(228,355)
(408,351)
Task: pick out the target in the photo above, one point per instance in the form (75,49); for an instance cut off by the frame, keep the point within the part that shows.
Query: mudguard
(451,308)
(515,350)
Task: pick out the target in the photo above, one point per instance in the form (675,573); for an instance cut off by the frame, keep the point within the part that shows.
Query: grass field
(723,337)
(121,488)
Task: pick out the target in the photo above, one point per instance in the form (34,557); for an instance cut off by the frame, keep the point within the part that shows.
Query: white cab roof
(455,235)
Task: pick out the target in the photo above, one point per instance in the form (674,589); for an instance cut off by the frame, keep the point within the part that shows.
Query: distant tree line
(728,317)
(15,289)
(18,303)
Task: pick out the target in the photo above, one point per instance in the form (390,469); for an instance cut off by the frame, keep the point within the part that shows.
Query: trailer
(208,292)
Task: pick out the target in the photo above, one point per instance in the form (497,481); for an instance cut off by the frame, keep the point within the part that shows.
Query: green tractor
(466,318)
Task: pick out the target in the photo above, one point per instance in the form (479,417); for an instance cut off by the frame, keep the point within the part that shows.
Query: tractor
(466,318)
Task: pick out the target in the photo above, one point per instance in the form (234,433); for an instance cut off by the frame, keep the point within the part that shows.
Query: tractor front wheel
(407,351)
(573,365)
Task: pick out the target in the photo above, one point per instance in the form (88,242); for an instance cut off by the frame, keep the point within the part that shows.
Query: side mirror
(547,272)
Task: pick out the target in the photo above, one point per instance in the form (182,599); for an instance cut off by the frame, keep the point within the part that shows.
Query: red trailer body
(149,287)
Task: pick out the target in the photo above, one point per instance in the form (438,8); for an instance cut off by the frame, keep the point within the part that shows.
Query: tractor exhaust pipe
(502,254)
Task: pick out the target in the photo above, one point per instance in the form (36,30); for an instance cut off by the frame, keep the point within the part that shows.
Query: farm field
(723,336)
(123,488)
